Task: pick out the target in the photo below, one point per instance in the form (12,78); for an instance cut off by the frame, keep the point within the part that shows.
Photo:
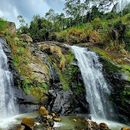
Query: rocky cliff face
(53,77)
(66,90)
(118,79)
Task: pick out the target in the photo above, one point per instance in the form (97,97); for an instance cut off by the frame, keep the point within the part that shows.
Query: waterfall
(7,105)
(97,89)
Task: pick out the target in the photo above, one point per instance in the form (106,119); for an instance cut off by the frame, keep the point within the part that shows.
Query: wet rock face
(60,101)
(66,102)
(25,103)
(16,76)
(114,77)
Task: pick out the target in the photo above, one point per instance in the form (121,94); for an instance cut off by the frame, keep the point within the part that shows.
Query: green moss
(22,58)
(3,25)
(37,91)
(102,53)
(126,70)
(64,80)
(67,75)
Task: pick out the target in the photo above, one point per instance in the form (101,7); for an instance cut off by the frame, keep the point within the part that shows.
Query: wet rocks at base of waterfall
(44,121)
(65,102)
(47,119)
(60,101)
(125,128)
(91,125)
(28,123)
(103,126)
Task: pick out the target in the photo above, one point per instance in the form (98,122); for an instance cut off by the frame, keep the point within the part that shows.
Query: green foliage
(40,28)
(37,91)
(3,25)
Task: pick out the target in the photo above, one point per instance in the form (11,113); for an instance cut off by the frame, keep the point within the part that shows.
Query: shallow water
(12,121)
(112,124)
(67,123)
(76,123)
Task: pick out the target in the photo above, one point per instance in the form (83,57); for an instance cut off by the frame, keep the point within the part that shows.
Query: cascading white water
(7,105)
(97,89)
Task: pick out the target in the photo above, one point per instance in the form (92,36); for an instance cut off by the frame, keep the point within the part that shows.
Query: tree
(74,8)
(40,28)
(21,20)
(23,29)
(50,15)
(59,22)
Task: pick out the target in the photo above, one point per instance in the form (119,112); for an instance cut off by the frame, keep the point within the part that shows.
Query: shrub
(3,25)
(73,36)
(61,36)
(97,23)
(95,37)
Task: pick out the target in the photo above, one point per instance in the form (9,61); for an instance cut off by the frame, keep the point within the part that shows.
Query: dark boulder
(60,101)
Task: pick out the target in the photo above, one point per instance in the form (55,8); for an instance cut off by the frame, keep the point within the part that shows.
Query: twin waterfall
(7,105)
(97,89)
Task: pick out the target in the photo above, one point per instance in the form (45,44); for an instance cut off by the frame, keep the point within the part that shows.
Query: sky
(10,9)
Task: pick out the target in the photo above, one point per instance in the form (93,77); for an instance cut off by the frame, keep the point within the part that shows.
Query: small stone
(57,119)
(49,117)
(49,128)
(103,126)
(74,120)
(21,127)
(53,114)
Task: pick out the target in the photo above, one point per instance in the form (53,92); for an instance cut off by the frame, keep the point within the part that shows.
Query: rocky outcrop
(11,28)
(25,102)
(118,81)
(66,93)
(39,72)
(60,101)
(26,38)
(7,50)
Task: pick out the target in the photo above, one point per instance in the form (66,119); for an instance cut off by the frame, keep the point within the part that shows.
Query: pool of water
(76,123)
(9,122)
(67,123)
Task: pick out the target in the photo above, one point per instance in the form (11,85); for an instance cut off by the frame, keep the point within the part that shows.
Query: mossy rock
(43,111)
(27,121)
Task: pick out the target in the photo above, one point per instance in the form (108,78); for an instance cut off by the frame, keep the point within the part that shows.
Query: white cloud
(10,9)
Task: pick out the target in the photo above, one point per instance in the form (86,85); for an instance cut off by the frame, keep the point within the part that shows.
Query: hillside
(48,76)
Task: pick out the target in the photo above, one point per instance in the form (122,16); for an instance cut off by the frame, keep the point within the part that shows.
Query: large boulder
(26,38)
(28,123)
(60,101)
(39,72)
